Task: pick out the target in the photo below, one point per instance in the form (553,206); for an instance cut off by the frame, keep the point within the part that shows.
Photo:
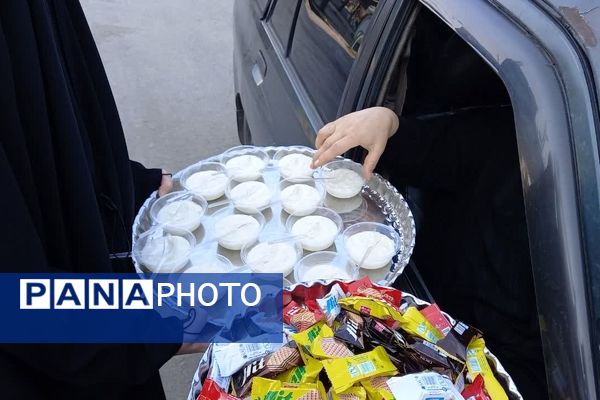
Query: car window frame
(570,229)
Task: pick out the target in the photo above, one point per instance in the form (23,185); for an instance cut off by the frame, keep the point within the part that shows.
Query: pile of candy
(357,341)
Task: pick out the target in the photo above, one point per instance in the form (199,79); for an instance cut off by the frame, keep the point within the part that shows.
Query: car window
(326,42)
(282,18)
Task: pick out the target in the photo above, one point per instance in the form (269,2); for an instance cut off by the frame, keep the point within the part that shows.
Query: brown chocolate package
(350,329)
(456,341)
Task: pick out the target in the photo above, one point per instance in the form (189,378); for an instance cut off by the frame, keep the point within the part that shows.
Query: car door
(551,85)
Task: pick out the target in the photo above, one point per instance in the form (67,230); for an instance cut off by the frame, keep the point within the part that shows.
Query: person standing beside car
(70,194)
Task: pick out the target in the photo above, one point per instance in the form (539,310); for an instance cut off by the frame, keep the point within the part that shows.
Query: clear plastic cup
(326,265)
(276,255)
(160,251)
(179,212)
(294,162)
(250,196)
(214,264)
(371,245)
(351,210)
(301,196)
(245,163)
(233,229)
(342,178)
(208,180)
(317,231)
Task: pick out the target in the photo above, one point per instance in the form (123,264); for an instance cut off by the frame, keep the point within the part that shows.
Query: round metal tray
(320,288)
(381,203)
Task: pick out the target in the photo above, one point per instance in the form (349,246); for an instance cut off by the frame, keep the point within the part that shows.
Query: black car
(301,63)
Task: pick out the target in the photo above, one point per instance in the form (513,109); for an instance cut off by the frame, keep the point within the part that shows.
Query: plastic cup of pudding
(342,178)
(351,209)
(294,162)
(250,196)
(208,180)
(317,231)
(160,251)
(324,265)
(301,196)
(212,265)
(233,229)
(179,212)
(371,245)
(245,163)
(276,255)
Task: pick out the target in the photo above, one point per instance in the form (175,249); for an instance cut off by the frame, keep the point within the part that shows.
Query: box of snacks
(355,340)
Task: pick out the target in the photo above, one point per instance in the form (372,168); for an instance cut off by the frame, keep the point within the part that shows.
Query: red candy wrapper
(212,391)
(365,288)
(476,390)
(434,315)
(301,317)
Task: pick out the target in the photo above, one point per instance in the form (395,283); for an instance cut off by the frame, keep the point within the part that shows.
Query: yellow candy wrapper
(377,388)
(354,393)
(307,373)
(345,372)
(318,342)
(268,389)
(477,364)
(414,322)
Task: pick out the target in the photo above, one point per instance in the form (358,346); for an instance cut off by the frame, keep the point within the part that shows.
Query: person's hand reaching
(369,128)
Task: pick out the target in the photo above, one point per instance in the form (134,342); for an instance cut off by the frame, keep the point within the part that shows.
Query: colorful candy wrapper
(424,385)
(456,341)
(307,373)
(268,389)
(434,315)
(231,357)
(416,324)
(212,391)
(345,372)
(477,364)
(354,393)
(476,390)
(329,304)
(377,388)
(268,366)
(300,316)
(364,287)
(318,341)
(329,347)
(350,328)
(373,308)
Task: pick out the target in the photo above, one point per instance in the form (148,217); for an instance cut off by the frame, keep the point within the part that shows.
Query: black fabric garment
(472,249)
(69,195)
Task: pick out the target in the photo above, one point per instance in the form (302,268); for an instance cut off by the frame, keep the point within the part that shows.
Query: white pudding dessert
(245,168)
(166,254)
(343,183)
(315,232)
(380,248)
(295,166)
(300,199)
(325,271)
(276,258)
(235,231)
(180,215)
(251,196)
(209,184)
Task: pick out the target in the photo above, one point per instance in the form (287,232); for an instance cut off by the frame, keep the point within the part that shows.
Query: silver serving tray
(318,289)
(383,204)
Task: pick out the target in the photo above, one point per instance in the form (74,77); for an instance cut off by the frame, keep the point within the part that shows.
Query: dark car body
(291,79)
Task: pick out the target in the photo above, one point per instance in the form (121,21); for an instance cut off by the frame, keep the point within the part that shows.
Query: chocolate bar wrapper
(269,389)
(457,340)
(434,315)
(212,391)
(307,373)
(477,364)
(268,366)
(330,303)
(365,288)
(300,316)
(350,328)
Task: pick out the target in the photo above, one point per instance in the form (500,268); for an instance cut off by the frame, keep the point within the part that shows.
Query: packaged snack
(477,364)
(476,390)
(268,366)
(379,331)
(416,324)
(373,308)
(423,386)
(345,372)
(215,375)
(350,329)
(434,315)
(231,357)
(365,288)
(329,304)
(354,393)
(456,341)
(268,389)
(300,316)
(212,391)
(318,341)
(307,373)
(377,388)
(329,347)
